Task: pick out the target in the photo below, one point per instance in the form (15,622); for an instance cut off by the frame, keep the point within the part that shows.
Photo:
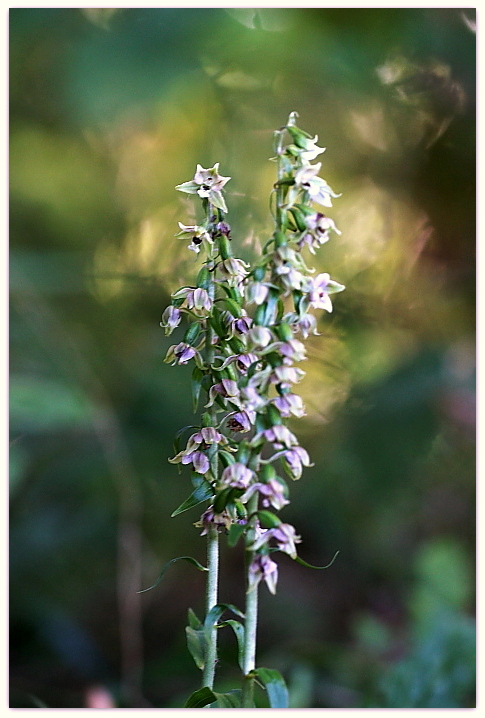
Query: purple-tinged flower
(256,292)
(242,325)
(306,324)
(244,361)
(241,421)
(233,271)
(317,290)
(198,459)
(227,388)
(260,336)
(237,475)
(272,494)
(197,234)
(289,404)
(180,353)
(170,319)
(292,350)
(206,436)
(306,180)
(252,399)
(208,184)
(197,299)
(318,231)
(262,567)
(285,537)
(209,518)
(289,277)
(294,460)
(279,435)
(286,375)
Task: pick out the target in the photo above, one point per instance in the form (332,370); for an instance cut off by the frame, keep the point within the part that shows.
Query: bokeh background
(109,110)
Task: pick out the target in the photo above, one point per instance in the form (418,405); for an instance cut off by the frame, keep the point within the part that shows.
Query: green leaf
(232,699)
(235,533)
(309,565)
(191,560)
(197,645)
(238,629)
(197,376)
(201,493)
(216,612)
(275,686)
(200,698)
(194,621)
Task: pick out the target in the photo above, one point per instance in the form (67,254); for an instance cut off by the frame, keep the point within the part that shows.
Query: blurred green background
(109,110)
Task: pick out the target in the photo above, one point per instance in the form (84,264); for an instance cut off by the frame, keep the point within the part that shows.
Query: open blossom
(285,537)
(210,518)
(286,375)
(280,436)
(292,350)
(272,494)
(306,179)
(227,388)
(197,458)
(196,299)
(256,292)
(170,319)
(294,460)
(241,420)
(263,567)
(237,475)
(318,231)
(208,184)
(197,234)
(233,271)
(289,404)
(180,353)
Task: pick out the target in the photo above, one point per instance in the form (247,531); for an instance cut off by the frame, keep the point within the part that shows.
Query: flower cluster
(246,331)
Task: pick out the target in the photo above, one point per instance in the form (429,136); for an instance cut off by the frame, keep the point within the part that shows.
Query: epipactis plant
(245,336)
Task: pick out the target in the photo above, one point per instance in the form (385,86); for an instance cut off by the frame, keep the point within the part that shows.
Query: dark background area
(109,110)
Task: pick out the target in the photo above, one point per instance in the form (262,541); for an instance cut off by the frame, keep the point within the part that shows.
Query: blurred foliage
(109,110)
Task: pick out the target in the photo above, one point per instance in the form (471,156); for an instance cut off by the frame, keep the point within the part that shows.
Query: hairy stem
(212,534)
(251,621)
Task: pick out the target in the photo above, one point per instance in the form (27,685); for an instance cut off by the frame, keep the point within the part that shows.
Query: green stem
(211,601)
(212,534)
(251,621)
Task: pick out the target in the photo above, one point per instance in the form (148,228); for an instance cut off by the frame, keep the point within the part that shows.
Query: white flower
(306,179)
(197,234)
(262,567)
(170,319)
(208,184)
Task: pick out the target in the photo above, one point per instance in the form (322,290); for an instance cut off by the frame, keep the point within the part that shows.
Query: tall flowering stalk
(245,337)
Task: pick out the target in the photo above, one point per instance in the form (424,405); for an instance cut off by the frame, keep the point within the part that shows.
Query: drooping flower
(180,353)
(198,459)
(263,567)
(171,318)
(237,475)
(272,494)
(289,404)
(292,350)
(227,388)
(241,421)
(196,299)
(279,435)
(318,226)
(285,537)
(294,460)
(307,180)
(209,518)
(233,271)
(197,234)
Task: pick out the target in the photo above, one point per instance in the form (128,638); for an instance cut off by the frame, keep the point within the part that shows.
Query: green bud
(259,273)
(284,332)
(225,248)
(274,415)
(243,452)
(192,333)
(267,473)
(280,239)
(204,279)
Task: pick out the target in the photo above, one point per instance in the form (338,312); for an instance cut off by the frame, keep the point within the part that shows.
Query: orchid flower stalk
(247,325)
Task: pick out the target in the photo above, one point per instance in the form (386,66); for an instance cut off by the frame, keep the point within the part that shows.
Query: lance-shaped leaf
(235,533)
(191,560)
(197,377)
(275,686)
(197,645)
(309,565)
(200,698)
(232,699)
(216,612)
(200,494)
(238,629)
